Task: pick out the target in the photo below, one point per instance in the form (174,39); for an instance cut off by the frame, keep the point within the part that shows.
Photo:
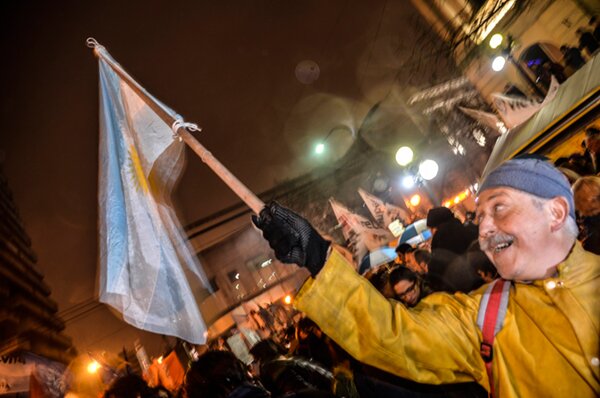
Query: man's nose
(486,227)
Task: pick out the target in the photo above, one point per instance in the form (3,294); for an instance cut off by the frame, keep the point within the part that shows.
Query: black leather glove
(292,238)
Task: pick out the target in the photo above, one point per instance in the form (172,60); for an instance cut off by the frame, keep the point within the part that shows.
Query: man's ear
(559,211)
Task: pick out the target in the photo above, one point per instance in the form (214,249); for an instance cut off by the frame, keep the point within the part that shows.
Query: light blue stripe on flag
(143,251)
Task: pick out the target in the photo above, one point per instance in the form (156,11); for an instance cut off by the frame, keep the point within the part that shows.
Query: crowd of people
(531,331)
(414,327)
(573,58)
(582,171)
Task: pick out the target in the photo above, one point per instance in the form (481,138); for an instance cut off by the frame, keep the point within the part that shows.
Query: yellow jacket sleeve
(435,342)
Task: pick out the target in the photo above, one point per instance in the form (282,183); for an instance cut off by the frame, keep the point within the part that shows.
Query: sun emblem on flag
(137,171)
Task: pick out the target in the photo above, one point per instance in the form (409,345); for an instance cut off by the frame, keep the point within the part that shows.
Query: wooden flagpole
(224,174)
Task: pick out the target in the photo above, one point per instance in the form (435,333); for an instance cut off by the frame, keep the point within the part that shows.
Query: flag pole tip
(91,42)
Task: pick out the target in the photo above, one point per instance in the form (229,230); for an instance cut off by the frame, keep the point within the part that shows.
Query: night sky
(228,66)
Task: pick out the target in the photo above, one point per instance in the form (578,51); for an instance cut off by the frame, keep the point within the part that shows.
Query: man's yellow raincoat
(548,347)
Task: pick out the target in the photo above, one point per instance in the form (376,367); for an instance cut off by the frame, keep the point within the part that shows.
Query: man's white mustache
(491,242)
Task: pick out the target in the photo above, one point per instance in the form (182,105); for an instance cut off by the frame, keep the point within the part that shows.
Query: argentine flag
(143,251)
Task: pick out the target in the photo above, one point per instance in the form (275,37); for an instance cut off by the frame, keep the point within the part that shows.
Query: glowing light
(266,263)
(458,198)
(288,299)
(320,148)
(415,200)
(496,40)
(404,156)
(408,182)
(160,359)
(498,63)
(93,367)
(428,169)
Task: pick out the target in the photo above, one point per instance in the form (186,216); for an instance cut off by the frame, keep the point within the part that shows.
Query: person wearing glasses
(408,287)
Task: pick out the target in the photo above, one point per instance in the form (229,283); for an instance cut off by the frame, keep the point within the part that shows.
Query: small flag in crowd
(515,110)
(143,251)
(383,213)
(362,235)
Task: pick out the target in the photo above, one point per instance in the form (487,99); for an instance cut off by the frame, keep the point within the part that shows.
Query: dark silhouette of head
(214,375)
(129,386)
(265,350)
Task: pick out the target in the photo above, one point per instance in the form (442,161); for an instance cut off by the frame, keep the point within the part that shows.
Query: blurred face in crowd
(587,196)
(592,143)
(407,291)
(423,268)
(516,232)
(411,263)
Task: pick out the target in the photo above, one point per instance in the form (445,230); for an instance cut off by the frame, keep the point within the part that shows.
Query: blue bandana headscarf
(534,176)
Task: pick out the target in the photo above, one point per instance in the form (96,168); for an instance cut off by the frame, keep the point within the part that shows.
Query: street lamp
(498,63)
(93,367)
(404,156)
(428,169)
(408,181)
(496,40)
(415,200)
(320,147)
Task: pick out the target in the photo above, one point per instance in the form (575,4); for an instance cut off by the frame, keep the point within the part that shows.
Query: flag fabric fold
(143,251)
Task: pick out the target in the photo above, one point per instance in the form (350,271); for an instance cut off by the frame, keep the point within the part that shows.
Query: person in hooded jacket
(448,232)
(448,270)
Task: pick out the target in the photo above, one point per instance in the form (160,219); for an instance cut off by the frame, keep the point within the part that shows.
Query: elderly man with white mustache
(533,333)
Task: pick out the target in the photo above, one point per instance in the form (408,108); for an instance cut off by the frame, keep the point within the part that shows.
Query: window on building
(233,276)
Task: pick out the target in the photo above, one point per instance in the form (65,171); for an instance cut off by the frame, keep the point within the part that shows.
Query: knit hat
(534,176)
(438,216)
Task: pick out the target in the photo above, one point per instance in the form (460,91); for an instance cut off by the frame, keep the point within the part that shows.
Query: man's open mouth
(501,246)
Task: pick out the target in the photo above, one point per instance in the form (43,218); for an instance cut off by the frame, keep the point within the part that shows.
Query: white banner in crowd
(516,110)
(143,250)
(27,374)
(383,213)
(362,234)
(15,376)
